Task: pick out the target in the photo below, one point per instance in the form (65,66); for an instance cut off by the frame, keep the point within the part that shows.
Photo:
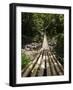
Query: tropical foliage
(34,25)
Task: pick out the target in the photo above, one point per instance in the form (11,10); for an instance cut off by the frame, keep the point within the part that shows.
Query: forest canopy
(34,25)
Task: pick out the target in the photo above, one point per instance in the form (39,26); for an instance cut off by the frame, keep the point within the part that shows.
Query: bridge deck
(44,64)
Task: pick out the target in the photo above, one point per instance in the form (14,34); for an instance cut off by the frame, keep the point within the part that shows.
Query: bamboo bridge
(44,64)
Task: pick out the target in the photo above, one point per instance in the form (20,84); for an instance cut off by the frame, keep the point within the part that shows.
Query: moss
(24,60)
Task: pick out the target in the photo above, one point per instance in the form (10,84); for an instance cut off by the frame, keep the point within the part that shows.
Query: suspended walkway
(44,64)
